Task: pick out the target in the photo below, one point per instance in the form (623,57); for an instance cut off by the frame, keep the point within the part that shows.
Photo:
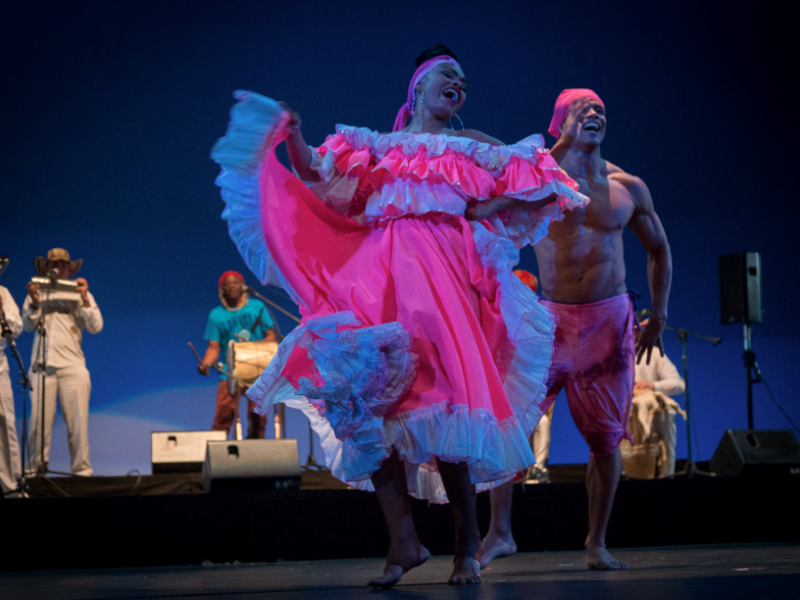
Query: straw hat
(43,265)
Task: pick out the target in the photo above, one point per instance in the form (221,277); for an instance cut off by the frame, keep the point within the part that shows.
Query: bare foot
(465,570)
(599,558)
(398,564)
(497,546)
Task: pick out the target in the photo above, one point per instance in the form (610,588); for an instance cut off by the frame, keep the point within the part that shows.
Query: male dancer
(582,276)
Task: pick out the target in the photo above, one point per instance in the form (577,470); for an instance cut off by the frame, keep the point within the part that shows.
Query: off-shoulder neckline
(377,139)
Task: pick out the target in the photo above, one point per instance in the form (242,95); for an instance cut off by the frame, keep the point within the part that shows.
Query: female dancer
(421,358)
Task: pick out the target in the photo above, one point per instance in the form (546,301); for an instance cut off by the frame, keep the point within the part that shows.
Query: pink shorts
(594,360)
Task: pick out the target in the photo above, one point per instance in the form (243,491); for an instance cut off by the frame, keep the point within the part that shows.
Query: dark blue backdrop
(110,109)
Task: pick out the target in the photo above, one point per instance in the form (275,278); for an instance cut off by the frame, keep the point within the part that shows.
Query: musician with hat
(238,318)
(58,365)
(11,325)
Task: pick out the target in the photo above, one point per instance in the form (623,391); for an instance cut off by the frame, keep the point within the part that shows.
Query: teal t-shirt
(250,322)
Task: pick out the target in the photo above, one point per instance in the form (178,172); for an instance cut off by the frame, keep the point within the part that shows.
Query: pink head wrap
(407,109)
(563,102)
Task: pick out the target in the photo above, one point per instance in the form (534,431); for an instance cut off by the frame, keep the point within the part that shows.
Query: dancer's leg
(540,441)
(602,478)
(74,391)
(461,494)
(405,549)
(256,423)
(226,406)
(10,466)
(499,542)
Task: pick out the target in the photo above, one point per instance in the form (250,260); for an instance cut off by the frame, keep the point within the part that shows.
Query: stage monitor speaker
(180,451)
(753,452)
(251,465)
(740,288)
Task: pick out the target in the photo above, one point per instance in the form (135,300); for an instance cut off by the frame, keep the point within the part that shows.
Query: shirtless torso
(581,259)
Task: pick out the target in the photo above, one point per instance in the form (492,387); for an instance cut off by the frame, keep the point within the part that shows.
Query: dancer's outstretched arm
(478,210)
(299,152)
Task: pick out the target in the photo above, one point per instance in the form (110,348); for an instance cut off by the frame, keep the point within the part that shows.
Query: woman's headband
(407,110)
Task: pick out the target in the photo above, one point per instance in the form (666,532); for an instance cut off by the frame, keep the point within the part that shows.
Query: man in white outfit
(67,314)
(655,410)
(10,466)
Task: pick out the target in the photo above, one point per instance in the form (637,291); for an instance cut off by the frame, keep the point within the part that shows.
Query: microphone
(643,313)
(247,289)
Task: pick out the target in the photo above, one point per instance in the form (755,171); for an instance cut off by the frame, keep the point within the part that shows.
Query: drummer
(240,319)
(655,410)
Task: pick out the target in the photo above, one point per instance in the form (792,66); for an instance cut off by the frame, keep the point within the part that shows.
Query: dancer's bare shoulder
(635,188)
(478,136)
(612,169)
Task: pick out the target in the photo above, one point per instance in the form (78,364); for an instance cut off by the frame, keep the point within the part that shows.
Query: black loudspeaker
(250,465)
(752,452)
(180,451)
(740,288)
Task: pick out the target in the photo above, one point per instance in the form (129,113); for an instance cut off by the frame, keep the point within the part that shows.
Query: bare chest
(609,211)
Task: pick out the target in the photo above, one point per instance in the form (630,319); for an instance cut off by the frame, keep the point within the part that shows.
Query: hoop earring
(460,121)
(414,103)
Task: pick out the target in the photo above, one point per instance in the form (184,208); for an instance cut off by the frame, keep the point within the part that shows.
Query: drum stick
(217,366)
(196,355)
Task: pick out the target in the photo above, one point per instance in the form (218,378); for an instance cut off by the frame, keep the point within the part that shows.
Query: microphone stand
(22,486)
(237,429)
(690,469)
(40,364)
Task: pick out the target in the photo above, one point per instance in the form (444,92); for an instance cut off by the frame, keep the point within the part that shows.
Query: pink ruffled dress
(416,335)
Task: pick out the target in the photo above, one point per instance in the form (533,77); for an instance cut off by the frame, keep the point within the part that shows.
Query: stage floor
(750,571)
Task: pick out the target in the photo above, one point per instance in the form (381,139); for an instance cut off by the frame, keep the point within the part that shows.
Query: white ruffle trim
(490,158)
(530,326)
(255,123)
(416,198)
(525,225)
(494,451)
(405,197)
(522,225)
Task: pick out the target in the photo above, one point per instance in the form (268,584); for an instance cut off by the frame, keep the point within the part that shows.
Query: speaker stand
(753,372)
(754,375)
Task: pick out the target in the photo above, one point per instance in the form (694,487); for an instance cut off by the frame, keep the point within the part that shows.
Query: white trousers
(73,387)
(664,426)
(10,466)
(540,440)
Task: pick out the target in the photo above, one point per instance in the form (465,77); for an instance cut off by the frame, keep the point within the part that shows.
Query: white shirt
(14,321)
(64,323)
(662,373)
